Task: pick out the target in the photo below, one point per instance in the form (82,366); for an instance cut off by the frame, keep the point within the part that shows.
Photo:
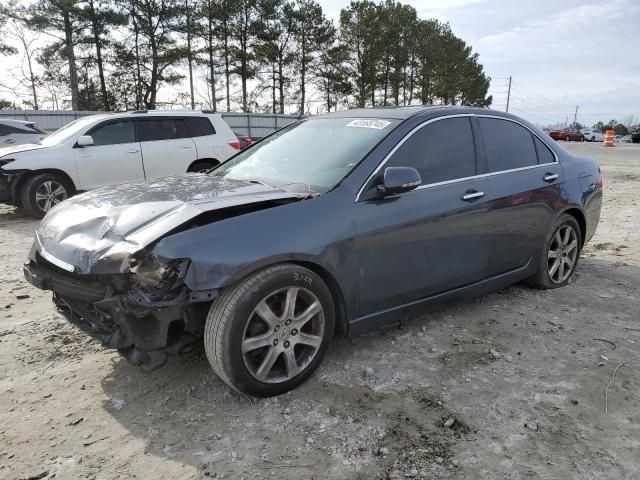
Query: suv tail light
(235,145)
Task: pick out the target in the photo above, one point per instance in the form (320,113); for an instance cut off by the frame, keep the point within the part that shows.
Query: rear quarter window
(199,126)
(544,153)
(508,145)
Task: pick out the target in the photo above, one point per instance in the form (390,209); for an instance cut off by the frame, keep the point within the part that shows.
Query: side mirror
(85,141)
(399,180)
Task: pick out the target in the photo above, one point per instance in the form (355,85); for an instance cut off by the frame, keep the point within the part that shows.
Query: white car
(109,149)
(592,134)
(19,132)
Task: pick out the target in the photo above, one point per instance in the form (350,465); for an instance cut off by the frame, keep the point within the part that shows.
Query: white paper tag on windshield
(377,124)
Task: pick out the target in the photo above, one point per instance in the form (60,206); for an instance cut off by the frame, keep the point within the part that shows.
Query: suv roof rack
(208,112)
(140,111)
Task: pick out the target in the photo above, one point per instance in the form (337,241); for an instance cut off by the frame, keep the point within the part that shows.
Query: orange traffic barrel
(608,138)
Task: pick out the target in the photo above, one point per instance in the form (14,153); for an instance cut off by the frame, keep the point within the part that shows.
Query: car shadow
(184,413)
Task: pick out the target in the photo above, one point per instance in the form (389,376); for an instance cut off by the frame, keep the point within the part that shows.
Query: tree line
(276,56)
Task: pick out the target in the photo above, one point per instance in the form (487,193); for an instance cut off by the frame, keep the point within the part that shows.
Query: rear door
(113,158)
(203,135)
(523,184)
(429,240)
(167,148)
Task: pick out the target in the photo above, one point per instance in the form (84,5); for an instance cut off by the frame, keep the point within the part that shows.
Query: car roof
(171,113)
(403,113)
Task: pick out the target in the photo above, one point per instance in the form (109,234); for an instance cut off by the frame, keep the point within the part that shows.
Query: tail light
(234,144)
(599,182)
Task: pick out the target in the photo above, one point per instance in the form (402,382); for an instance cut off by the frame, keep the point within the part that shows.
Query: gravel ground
(509,385)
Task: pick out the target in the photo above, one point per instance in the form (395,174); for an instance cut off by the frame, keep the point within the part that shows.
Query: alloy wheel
(49,194)
(283,334)
(563,253)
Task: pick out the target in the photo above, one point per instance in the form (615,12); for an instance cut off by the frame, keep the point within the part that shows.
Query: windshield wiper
(251,180)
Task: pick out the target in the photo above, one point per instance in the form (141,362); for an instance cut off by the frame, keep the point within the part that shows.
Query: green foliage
(614,125)
(394,54)
(270,55)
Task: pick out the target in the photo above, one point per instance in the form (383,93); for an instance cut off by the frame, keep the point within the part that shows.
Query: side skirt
(423,305)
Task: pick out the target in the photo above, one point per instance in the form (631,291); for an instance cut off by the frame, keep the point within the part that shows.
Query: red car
(245,140)
(566,134)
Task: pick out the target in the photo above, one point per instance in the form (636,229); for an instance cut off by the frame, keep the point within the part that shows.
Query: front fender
(318,231)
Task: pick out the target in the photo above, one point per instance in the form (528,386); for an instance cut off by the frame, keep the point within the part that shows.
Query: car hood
(97,232)
(25,147)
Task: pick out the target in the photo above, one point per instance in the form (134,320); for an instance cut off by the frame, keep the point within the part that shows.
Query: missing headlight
(150,272)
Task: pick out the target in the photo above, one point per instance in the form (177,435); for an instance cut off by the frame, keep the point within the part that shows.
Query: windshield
(69,130)
(313,155)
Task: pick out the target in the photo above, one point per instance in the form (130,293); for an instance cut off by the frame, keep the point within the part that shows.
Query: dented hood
(96,232)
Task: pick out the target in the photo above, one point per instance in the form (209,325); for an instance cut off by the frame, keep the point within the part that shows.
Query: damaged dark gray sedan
(333,225)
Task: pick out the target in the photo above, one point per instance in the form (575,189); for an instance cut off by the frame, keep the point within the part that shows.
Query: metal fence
(256,125)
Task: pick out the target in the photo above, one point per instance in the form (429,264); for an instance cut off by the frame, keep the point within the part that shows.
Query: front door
(115,156)
(429,240)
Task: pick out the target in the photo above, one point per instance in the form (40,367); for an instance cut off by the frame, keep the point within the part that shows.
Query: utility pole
(508,94)
(575,115)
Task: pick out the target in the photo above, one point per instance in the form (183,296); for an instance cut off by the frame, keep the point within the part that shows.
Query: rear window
(199,126)
(508,145)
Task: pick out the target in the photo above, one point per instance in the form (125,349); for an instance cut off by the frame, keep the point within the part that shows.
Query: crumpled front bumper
(127,320)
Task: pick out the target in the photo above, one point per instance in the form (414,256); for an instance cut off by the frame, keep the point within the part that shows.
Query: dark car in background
(567,134)
(335,224)
(635,135)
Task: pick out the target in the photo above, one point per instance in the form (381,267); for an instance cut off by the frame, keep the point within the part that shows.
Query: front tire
(268,333)
(41,192)
(560,254)
(567,138)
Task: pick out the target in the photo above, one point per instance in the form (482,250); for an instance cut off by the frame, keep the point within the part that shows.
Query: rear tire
(259,345)
(43,191)
(561,251)
(202,166)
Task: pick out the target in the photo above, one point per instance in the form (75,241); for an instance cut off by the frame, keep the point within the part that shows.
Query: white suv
(592,134)
(108,149)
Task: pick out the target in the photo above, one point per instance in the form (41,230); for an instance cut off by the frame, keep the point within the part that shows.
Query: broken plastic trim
(150,272)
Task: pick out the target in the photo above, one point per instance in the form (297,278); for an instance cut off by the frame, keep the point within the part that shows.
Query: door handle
(471,195)
(184,147)
(133,151)
(550,177)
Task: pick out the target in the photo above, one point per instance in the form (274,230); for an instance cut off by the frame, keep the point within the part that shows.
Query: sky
(559,53)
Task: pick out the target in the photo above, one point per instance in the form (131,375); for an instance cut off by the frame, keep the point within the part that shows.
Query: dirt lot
(522,372)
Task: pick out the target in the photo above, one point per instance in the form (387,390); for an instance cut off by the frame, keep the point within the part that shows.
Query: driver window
(440,151)
(114,133)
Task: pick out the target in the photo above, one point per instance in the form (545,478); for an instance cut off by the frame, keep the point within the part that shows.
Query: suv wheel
(41,192)
(201,166)
(268,333)
(560,255)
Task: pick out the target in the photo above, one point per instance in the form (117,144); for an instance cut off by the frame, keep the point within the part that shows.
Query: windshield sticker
(377,124)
